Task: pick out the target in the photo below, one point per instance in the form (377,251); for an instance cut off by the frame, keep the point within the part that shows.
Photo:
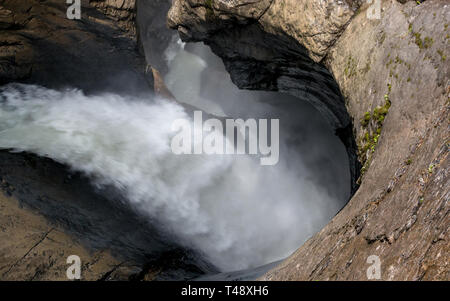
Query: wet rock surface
(32,249)
(123,12)
(154,36)
(40,45)
(49,212)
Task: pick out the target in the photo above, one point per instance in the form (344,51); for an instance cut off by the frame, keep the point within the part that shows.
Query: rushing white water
(235,211)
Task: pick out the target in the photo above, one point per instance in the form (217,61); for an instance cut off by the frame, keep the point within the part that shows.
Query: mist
(198,77)
(234,212)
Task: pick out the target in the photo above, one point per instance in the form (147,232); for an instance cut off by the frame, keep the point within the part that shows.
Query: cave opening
(312,153)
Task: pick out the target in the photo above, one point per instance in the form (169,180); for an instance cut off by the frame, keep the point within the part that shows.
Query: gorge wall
(40,45)
(394,77)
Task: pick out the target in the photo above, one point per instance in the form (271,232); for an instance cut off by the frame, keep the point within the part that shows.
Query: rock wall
(123,12)
(154,35)
(393,74)
(39,44)
(32,249)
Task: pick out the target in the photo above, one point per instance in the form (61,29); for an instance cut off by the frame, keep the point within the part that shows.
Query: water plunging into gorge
(312,179)
(233,211)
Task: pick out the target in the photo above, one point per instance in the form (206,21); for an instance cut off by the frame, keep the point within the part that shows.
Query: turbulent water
(234,211)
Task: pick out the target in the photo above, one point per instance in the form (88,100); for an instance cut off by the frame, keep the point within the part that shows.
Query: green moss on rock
(443,56)
(209,9)
(350,67)
(372,124)
(427,42)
